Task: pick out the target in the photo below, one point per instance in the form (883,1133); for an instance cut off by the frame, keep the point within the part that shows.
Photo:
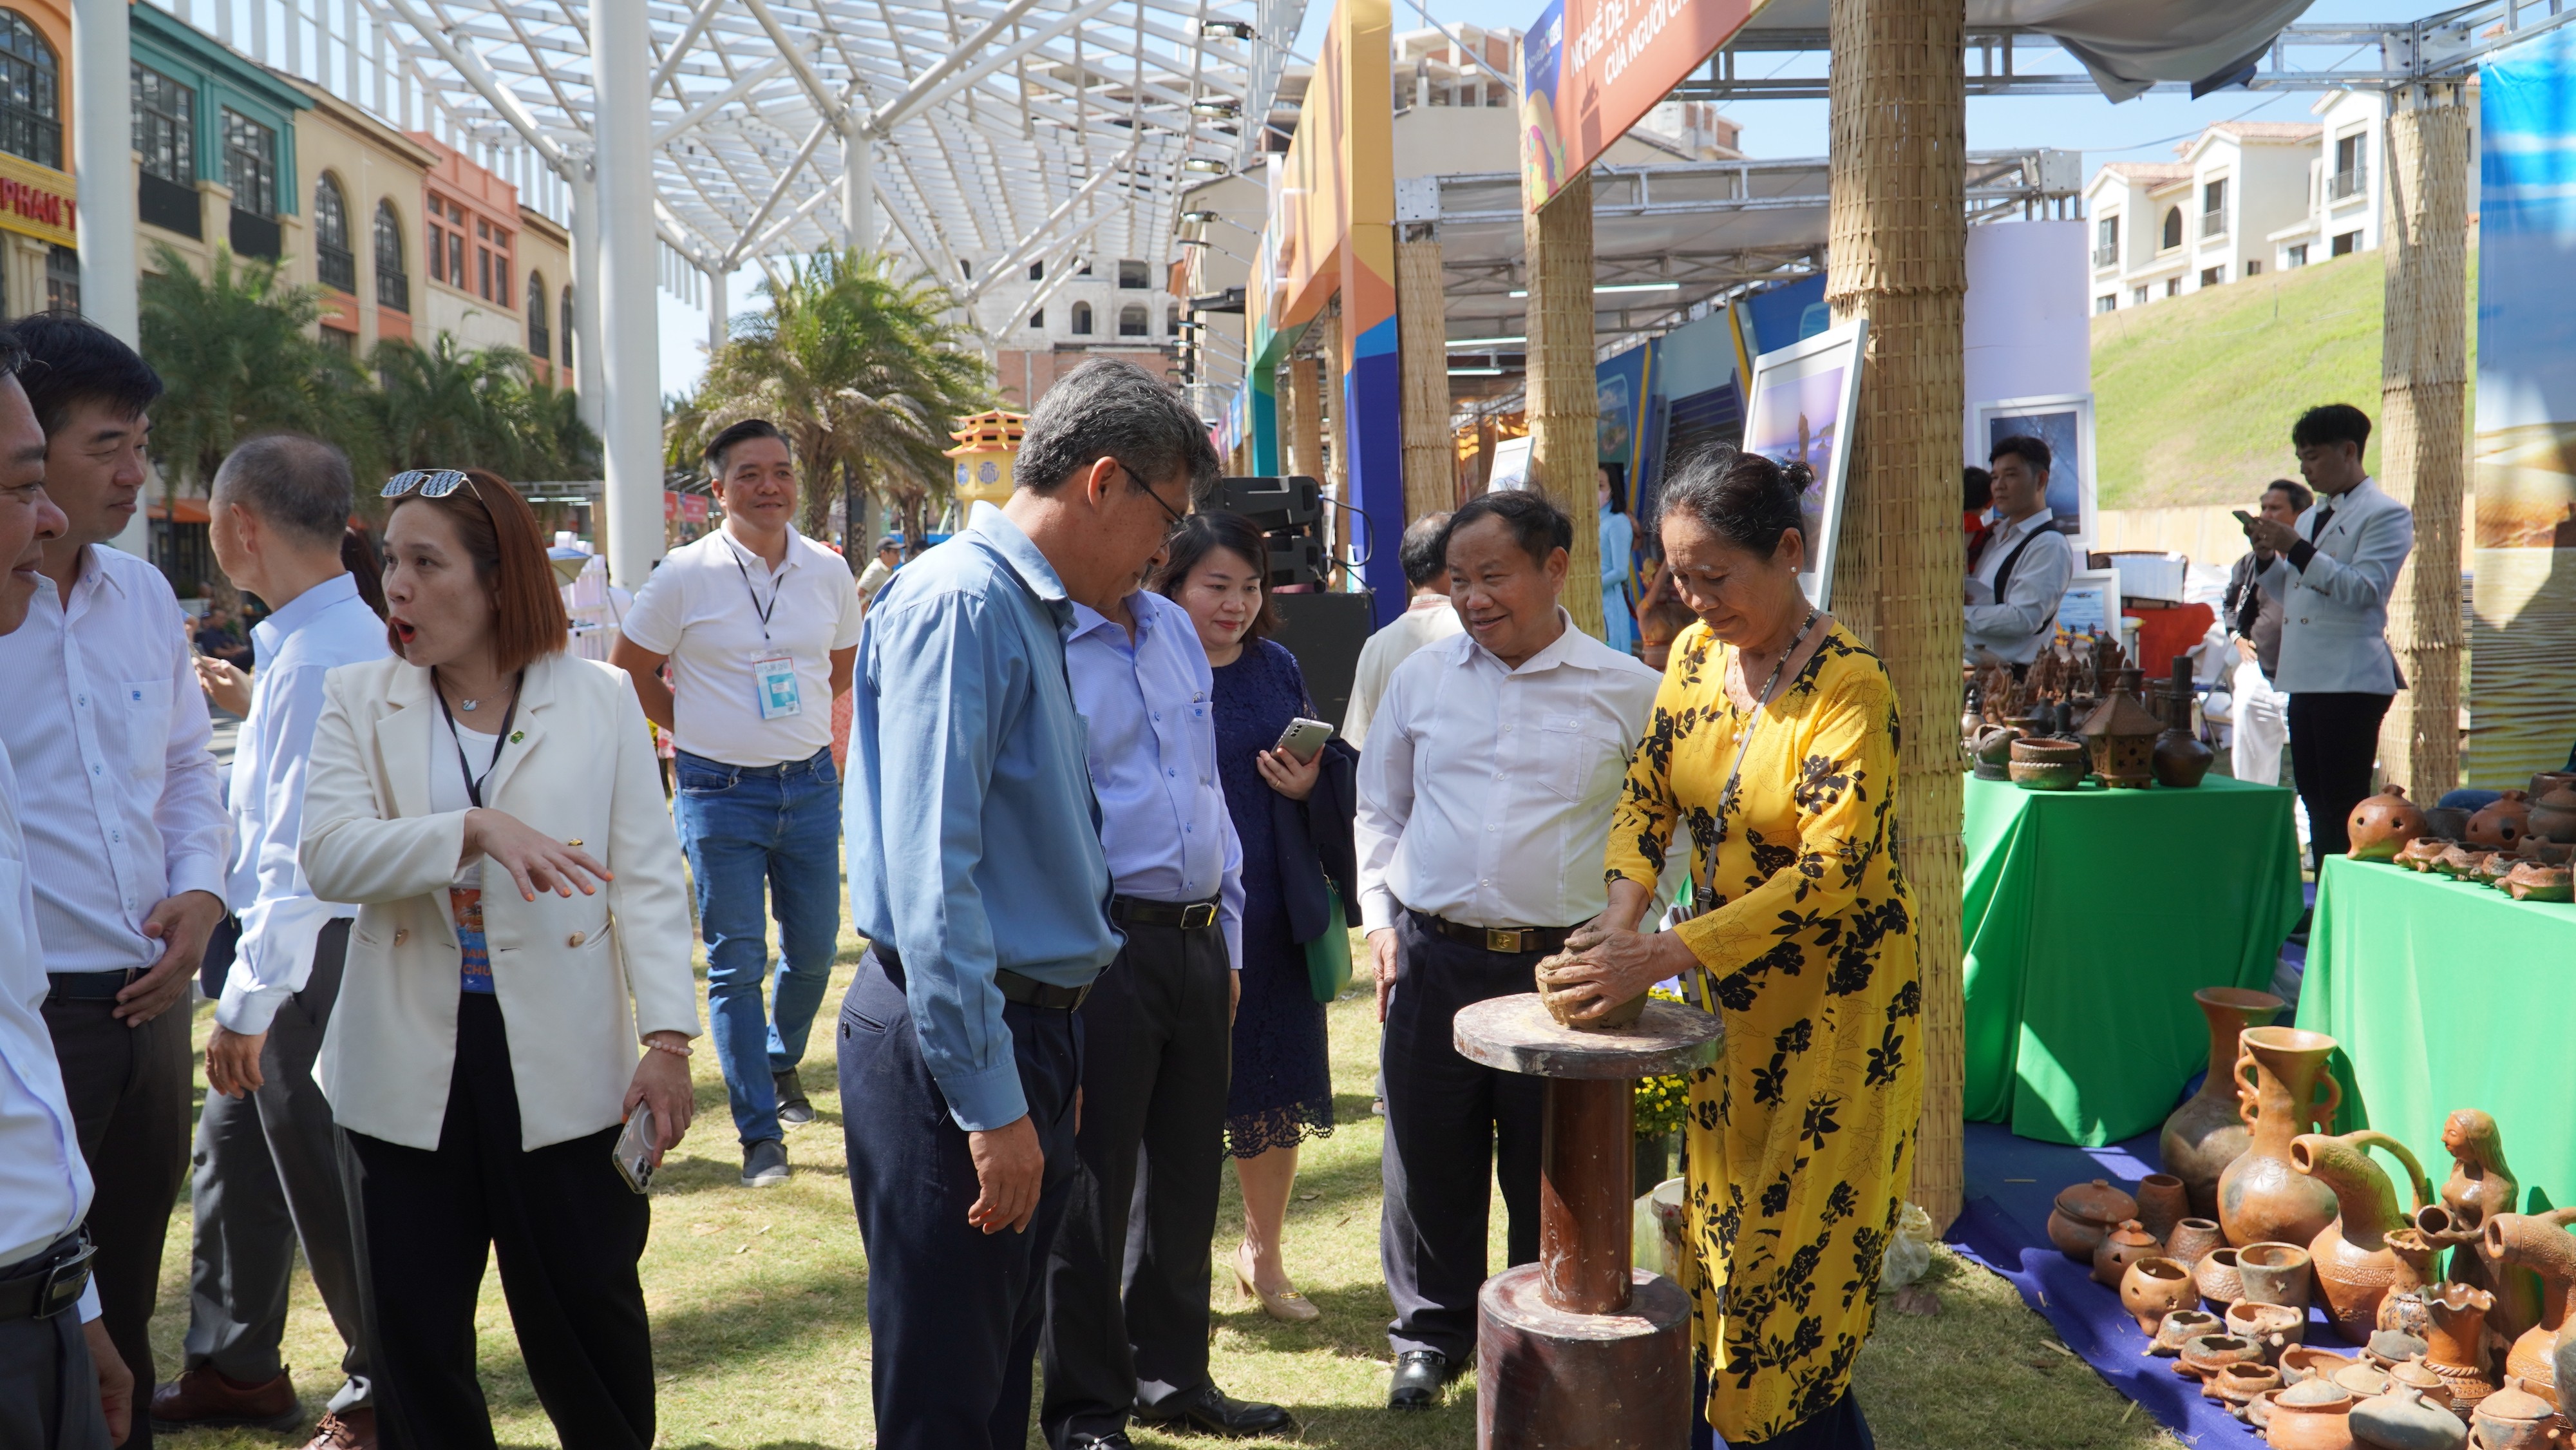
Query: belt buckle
(1505,939)
(1198,914)
(63,1283)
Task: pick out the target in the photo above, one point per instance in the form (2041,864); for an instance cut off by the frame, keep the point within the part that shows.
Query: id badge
(774,679)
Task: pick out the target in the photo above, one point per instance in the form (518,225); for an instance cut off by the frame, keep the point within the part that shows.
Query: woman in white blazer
(492,805)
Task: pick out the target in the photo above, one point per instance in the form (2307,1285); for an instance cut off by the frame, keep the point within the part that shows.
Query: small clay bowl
(2423,851)
(2217,1278)
(2303,1361)
(2047,764)
(2181,1325)
(2260,1322)
(2204,1355)
(2235,1384)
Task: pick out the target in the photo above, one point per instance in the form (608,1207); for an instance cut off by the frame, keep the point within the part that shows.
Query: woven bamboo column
(1430,466)
(1898,232)
(1564,401)
(2423,372)
(1305,425)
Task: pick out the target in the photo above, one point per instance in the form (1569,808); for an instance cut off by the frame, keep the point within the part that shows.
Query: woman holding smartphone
(1294,818)
(518,976)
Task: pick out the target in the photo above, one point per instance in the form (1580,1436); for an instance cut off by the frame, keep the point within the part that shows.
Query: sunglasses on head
(428,483)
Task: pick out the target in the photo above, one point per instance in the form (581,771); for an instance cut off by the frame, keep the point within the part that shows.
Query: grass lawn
(759,1304)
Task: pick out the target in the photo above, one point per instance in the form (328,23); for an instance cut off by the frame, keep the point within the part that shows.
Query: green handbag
(1328,957)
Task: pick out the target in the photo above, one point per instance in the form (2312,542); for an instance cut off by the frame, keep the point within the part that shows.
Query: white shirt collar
(743,554)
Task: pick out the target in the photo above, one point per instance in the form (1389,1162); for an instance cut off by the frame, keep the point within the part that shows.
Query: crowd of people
(1101,856)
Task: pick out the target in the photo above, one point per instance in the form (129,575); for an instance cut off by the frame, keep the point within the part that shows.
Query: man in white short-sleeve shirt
(759,626)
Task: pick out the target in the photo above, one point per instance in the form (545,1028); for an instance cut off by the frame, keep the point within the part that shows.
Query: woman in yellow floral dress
(1800,1135)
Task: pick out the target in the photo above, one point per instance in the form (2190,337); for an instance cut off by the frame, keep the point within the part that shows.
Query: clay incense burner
(2121,734)
(2502,824)
(2354,1263)
(2122,1247)
(2381,825)
(2182,1325)
(2280,1075)
(2085,1214)
(2154,1288)
(2423,851)
(2207,1133)
(2533,882)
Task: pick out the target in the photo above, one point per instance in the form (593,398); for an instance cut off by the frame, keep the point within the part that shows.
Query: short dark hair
(2300,496)
(1420,550)
(1976,489)
(298,484)
(364,558)
(70,360)
(742,432)
(1203,534)
(2024,447)
(499,530)
(1538,526)
(1743,498)
(1108,408)
(2331,423)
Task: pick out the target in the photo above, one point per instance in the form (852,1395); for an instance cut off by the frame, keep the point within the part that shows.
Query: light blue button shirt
(972,837)
(1150,703)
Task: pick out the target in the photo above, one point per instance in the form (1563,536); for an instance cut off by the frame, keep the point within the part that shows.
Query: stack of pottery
(2207,1133)
(2381,825)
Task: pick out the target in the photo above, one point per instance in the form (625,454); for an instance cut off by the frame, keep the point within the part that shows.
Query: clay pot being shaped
(2217,1277)
(2314,1414)
(2553,812)
(2207,1133)
(2423,851)
(2154,1288)
(2354,1265)
(2301,1361)
(2192,1239)
(2163,1204)
(2512,1418)
(2046,764)
(2279,1074)
(1553,996)
(2381,825)
(2502,823)
(2124,1246)
(2455,1340)
(2531,881)
(2540,1242)
(2274,1273)
(2401,1419)
(2182,1325)
(2085,1214)
(2260,1322)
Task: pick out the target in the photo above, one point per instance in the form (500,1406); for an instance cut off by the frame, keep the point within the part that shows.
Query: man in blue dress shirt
(978,877)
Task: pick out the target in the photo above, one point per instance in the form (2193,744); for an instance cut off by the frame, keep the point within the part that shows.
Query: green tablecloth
(2447,996)
(2091,917)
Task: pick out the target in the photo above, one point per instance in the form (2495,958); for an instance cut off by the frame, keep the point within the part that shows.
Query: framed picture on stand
(2065,423)
(1804,396)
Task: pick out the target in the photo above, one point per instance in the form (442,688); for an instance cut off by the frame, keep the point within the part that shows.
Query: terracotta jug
(2554,815)
(2207,1133)
(2314,1414)
(2539,1242)
(2501,825)
(2126,1245)
(2455,1340)
(2354,1264)
(2402,1307)
(2381,825)
(2402,1420)
(2517,1291)
(2279,1073)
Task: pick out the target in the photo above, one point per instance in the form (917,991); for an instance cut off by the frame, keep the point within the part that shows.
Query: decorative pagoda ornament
(2120,735)
(987,445)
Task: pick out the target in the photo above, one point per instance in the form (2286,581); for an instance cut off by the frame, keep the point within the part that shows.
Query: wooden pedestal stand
(1579,1351)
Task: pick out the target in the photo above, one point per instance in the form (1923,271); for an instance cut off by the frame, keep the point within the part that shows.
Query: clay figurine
(2280,1073)
(2207,1133)
(2502,824)
(2381,825)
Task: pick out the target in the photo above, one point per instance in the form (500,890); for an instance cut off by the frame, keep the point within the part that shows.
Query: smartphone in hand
(1303,738)
(634,1151)
(2243,517)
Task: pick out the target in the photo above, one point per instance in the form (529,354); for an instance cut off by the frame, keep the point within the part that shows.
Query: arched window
(541,343)
(1131,321)
(1082,319)
(31,113)
(393,279)
(564,309)
(2173,226)
(333,260)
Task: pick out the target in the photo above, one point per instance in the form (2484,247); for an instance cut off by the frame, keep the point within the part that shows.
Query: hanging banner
(1590,69)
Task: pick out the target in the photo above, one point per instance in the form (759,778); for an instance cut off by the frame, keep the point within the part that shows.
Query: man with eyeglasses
(124,814)
(758,624)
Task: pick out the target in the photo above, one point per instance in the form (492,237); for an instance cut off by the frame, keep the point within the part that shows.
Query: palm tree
(862,372)
(237,357)
(444,406)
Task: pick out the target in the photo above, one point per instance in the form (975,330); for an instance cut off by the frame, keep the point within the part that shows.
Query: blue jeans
(741,826)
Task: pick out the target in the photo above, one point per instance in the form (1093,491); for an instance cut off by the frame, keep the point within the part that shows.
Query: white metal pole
(103,161)
(586,354)
(622,132)
(719,320)
(858,184)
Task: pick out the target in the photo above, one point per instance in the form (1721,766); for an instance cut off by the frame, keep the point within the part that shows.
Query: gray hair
(1108,408)
(297,484)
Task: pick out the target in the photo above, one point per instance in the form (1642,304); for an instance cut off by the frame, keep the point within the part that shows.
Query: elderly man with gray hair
(267,1163)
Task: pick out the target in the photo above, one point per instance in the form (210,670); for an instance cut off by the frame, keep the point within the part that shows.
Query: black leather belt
(1027,991)
(90,986)
(1511,940)
(48,1283)
(1187,915)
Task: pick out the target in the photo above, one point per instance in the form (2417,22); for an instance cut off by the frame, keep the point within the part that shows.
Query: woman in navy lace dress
(1282,1090)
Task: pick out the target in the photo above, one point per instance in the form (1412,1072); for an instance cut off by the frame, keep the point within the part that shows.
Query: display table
(2091,916)
(2448,996)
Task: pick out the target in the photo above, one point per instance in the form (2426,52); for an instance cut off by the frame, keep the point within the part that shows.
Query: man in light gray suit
(2332,573)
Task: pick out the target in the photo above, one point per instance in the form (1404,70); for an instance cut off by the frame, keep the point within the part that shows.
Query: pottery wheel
(1516,1034)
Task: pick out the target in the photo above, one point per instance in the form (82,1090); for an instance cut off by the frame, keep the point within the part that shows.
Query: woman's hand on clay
(1612,966)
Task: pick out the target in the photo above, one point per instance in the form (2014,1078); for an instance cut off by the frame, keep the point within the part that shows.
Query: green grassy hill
(2194,396)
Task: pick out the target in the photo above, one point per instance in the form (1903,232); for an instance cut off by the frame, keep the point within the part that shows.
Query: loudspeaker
(1325,632)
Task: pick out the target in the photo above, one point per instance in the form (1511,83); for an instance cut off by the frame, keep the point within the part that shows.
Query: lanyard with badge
(473,782)
(773,671)
(1704,892)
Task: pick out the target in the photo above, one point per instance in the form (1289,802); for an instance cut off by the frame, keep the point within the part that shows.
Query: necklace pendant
(469,706)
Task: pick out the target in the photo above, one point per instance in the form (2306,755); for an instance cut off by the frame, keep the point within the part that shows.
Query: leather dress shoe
(1209,1411)
(1114,1440)
(794,1109)
(202,1396)
(1420,1374)
(345,1430)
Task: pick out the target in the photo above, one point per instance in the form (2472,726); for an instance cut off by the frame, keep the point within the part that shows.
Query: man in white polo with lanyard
(759,626)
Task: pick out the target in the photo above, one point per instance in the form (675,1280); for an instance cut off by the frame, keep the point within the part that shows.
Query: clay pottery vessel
(2354,1265)
(2423,851)
(2124,1246)
(2259,1322)
(2461,861)
(2205,1355)
(2516,1291)
(2217,1277)
(2047,764)
(2280,1076)
(2531,881)
(2313,1414)
(1990,751)
(2180,760)
(2274,1273)
(2364,1380)
(2403,1310)
(2391,1346)
(2258,1410)
(2553,812)
(2120,735)
(2154,1288)
(2449,822)
(2544,851)
(2494,869)
(2416,1375)
(2550,780)
(2085,1214)
(2381,825)
(2502,823)
(2539,1242)
(2512,1418)
(2163,1203)
(2455,1340)
(2401,1419)
(2207,1133)
(2237,1385)
(2180,1325)
(2192,1239)
(2301,1361)
(2402,1307)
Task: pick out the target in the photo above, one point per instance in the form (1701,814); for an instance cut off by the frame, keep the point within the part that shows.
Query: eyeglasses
(429,483)
(1179,520)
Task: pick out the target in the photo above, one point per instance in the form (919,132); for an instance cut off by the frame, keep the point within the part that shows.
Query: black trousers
(1127,1282)
(129,1090)
(268,1177)
(953,1312)
(48,1384)
(568,1231)
(2334,747)
(1452,1127)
